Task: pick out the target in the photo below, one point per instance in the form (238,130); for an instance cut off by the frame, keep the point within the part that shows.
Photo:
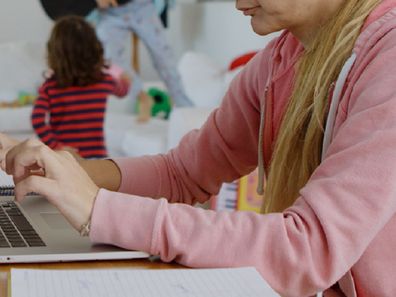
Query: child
(116,21)
(75,93)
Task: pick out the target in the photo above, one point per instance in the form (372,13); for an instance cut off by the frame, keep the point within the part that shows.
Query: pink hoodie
(341,229)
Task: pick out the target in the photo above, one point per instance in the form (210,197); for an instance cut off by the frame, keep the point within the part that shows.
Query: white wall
(23,20)
(214,28)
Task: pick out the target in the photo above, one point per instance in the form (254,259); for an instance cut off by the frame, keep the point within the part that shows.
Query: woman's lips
(249,10)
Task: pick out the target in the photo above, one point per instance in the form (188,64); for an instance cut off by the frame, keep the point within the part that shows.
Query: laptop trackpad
(55,220)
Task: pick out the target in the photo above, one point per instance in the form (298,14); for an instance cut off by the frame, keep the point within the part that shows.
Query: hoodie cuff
(138,175)
(124,220)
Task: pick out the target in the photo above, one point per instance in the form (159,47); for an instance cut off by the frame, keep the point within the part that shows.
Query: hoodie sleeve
(224,149)
(311,245)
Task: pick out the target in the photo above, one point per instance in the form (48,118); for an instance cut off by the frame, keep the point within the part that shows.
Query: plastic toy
(23,99)
(162,103)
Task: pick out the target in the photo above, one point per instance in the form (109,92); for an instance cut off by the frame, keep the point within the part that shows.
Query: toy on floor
(23,99)
(162,103)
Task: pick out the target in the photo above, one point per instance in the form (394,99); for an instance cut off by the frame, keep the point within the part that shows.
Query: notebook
(35,231)
(6,184)
(229,282)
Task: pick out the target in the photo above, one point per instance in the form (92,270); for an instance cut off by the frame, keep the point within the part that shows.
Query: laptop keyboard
(16,231)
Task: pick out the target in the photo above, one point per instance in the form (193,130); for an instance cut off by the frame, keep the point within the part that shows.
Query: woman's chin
(259,28)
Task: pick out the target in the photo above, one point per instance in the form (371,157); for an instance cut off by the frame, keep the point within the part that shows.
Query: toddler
(69,112)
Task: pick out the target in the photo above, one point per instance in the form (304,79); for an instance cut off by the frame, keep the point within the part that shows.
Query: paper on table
(5,180)
(232,282)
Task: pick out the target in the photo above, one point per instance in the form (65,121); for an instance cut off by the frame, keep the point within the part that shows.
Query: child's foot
(145,104)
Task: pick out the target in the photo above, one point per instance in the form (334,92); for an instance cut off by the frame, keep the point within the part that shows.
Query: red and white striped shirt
(74,116)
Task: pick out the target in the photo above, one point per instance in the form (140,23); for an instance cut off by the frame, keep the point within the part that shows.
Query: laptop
(35,231)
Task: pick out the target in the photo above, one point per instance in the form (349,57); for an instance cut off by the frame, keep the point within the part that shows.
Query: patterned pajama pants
(140,16)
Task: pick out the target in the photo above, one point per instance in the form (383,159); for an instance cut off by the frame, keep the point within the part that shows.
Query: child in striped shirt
(69,112)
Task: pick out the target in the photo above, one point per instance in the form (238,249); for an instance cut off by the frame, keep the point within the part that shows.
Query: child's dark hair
(74,52)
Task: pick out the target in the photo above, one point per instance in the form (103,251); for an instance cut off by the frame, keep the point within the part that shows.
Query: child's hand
(124,77)
(115,71)
(106,3)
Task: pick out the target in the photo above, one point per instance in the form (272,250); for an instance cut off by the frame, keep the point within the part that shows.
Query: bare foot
(145,104)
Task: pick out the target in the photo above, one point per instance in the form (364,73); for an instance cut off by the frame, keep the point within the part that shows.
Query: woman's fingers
(55,175)
(38,184)
(2,162)
(6,143)
(30,154)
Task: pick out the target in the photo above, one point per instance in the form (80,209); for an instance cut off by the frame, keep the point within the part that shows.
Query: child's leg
(144,21)
(113,32)
(145,105)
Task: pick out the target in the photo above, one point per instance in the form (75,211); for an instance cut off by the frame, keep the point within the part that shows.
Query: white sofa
(21,68)
(124,135)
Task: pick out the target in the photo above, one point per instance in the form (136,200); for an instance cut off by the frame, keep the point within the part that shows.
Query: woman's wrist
(86,211)
(85,229)
(104,173)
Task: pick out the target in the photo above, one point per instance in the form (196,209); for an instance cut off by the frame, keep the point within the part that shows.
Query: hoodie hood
(365,41)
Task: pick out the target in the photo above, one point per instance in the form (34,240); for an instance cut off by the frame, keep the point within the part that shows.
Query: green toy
(23,99)
(162,103)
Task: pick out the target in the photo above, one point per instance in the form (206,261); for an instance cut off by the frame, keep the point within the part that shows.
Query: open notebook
(230,282)
(6,184)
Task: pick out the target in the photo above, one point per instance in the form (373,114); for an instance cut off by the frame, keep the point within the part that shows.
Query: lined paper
(5,179)
(232,282)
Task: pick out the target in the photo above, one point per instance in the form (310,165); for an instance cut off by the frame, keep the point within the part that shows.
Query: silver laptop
(35,231)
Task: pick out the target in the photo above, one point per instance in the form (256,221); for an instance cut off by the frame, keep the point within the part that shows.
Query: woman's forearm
(105,173)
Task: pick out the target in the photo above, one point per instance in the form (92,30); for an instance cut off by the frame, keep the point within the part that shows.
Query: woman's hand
(6,143)
(54,174)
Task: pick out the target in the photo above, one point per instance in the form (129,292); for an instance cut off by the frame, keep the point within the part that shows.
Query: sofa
(21,67)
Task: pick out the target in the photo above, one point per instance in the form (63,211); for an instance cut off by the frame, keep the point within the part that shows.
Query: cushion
(21,68)
(16,119)
(203,79)
(146,138)
(126,137)
(184,119)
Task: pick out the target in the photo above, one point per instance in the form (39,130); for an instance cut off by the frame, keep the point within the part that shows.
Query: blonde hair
(298,147)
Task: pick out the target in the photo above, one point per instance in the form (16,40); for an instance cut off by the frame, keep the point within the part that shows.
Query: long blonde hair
(298,147)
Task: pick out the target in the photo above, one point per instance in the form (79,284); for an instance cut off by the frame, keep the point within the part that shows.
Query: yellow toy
(23,99)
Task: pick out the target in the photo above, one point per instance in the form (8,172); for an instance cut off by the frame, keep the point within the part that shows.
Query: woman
(316,109)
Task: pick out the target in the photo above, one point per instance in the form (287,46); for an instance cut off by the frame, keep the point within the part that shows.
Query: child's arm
(122,85)
(40,126)
(121,79)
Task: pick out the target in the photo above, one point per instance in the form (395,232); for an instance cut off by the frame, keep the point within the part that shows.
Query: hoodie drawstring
(339,86)
(261,172)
